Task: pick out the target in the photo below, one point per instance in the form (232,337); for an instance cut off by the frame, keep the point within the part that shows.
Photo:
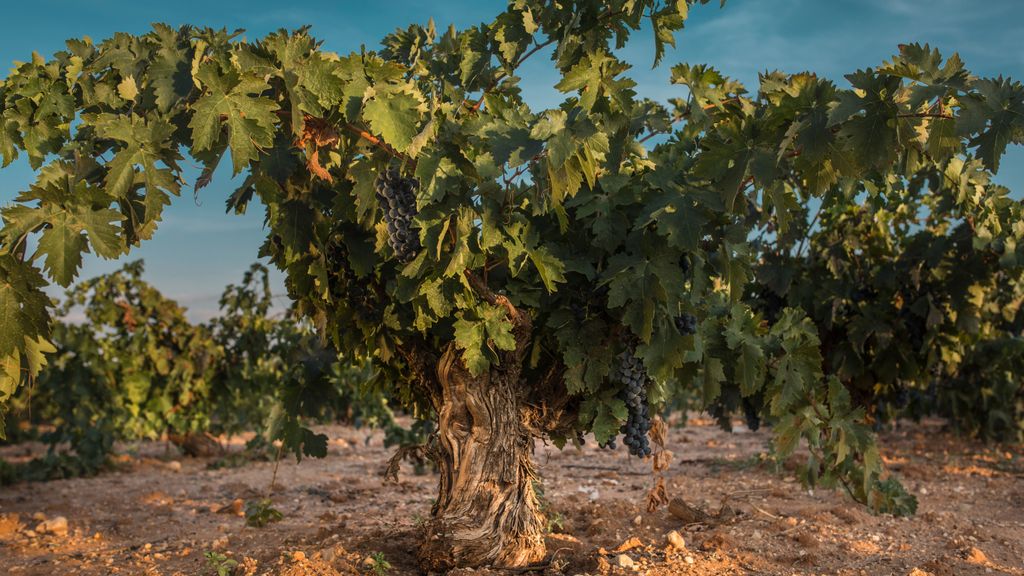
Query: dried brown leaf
(657,496)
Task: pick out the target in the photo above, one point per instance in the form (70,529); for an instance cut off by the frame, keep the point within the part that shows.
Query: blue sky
(198,249)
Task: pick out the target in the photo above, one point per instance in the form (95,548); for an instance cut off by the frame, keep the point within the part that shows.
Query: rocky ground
(159,513)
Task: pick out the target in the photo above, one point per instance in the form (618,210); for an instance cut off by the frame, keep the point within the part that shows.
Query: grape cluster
(686,324)
(630,372)
(397,198)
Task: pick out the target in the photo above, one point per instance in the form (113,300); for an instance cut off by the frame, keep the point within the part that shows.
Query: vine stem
(927,115)
(277,464)
(374,140)
(821,457)
(803,241)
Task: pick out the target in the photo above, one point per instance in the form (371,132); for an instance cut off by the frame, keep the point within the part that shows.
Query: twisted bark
(486,513)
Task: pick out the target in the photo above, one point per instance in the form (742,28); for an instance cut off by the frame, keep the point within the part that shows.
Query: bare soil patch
(158,514)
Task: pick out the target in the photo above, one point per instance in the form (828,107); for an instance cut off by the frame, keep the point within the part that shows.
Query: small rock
(628,545)
(718,541)
(57,526)
(39,516)
(806,540)
(9,524)
(976,556)
(174,466)
(30,534)
(248,567)
(220,543)
(623,561)
(918,572)
(675,540)
(638,520)
(298,556)
(689,560)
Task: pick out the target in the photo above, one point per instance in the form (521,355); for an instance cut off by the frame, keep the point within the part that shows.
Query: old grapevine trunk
(486,511)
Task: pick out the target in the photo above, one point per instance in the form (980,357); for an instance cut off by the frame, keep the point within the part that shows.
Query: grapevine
(503,213)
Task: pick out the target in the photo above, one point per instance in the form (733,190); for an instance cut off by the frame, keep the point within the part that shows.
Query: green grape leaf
(996,117)
(594,76)
(550,268)
(233,99)
(23,306)
(481,332)
(9,141)
(604,414)
(62,247)
(395,115)
(320,77)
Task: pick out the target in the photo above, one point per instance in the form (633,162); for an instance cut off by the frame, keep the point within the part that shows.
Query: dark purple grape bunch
(686,324)
(632,376)
(397,198)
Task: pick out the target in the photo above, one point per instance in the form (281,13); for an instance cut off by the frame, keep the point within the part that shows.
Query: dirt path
(160,516)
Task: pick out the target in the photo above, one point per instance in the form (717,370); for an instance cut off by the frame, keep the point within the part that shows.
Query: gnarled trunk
(486,513)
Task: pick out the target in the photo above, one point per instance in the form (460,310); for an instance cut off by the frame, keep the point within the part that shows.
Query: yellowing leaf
(127,89)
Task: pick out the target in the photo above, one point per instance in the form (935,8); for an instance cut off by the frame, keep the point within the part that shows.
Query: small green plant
(220,564)
(378,564)
(554,521)
(259,513)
